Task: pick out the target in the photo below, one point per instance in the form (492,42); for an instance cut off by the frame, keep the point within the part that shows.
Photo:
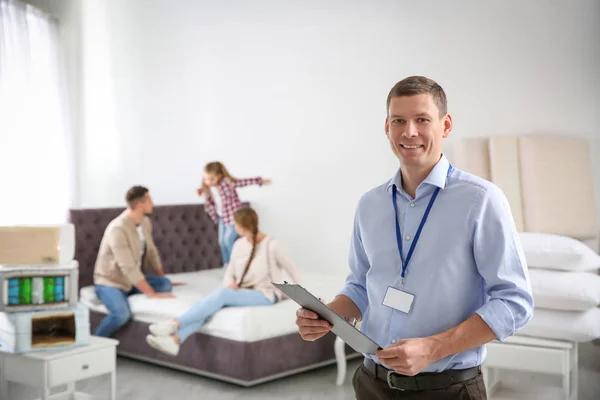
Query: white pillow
(562,290)
(544,250)
(576,326)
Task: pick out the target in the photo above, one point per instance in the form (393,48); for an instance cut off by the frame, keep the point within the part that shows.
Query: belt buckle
(389,381)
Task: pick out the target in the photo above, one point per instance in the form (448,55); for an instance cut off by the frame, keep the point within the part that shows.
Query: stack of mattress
(566,288)
(39,290)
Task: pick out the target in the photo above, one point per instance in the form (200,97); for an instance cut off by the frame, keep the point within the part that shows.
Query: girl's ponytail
(247,218)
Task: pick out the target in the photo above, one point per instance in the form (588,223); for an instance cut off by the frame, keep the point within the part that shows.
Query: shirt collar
(126,220)
(437,176)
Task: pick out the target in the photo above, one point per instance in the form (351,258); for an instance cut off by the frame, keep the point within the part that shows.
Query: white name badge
(399,300)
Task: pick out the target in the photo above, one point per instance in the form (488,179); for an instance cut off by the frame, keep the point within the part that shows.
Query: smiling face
(211,179)
(415,129)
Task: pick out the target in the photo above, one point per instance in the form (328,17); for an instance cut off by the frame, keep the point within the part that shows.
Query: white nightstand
(48,369)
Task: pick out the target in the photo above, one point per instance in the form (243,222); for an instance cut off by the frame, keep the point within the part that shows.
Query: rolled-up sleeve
(355,286)
(501,262)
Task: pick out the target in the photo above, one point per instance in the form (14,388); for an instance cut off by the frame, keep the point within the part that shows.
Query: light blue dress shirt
(467,260)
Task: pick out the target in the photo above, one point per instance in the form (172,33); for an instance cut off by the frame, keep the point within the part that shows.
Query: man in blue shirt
(444,277)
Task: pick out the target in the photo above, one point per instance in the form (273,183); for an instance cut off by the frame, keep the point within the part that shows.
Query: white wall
(296,92)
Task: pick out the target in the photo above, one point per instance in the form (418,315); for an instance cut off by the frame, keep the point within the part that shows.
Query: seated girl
(256,261)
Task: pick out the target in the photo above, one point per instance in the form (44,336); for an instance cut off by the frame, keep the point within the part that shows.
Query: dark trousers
(368,387)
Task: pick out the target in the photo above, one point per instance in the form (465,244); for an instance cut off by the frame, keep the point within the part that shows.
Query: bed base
(242,363)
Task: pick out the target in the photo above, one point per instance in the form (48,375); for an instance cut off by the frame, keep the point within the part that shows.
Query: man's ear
(447,125)
(386,127)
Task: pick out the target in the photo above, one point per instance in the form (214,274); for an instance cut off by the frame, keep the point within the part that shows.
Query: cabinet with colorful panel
(38,288)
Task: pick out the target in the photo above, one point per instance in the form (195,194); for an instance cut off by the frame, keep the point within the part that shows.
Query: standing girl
(219,190)
(256,261)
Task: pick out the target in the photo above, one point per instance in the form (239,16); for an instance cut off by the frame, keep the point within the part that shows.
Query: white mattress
(250,324)
(246,324)
(573,326)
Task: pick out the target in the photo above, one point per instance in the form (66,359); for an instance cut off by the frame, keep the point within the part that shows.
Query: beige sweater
(269,261)
(118,262)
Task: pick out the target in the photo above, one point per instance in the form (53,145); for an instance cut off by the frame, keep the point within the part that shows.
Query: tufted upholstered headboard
(185,235)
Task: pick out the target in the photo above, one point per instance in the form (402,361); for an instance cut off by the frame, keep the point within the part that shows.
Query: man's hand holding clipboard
(310,325)
(315,319)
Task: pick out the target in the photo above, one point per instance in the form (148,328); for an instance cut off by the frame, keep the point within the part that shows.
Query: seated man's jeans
(115,300)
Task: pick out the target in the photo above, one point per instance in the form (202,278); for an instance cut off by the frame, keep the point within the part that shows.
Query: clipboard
(348,333)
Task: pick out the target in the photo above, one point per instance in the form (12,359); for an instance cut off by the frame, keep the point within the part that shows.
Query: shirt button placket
(407,237)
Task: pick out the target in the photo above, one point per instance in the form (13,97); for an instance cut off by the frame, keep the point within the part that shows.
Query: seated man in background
(126,248)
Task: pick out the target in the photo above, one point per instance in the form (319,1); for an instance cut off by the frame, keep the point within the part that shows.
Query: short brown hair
(135,195)
(414,85)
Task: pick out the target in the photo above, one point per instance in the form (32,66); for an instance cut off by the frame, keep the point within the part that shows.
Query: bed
(242,324)
(245,346)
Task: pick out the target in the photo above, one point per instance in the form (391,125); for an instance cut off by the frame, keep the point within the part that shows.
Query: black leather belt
(423,381)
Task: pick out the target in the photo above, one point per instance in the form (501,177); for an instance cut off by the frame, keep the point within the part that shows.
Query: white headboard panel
(548,180)
(505,172)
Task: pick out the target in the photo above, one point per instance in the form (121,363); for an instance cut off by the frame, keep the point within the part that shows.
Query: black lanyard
(416,238)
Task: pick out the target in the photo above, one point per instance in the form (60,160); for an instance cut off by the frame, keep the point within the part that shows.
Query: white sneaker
(163,328)
(166,344)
